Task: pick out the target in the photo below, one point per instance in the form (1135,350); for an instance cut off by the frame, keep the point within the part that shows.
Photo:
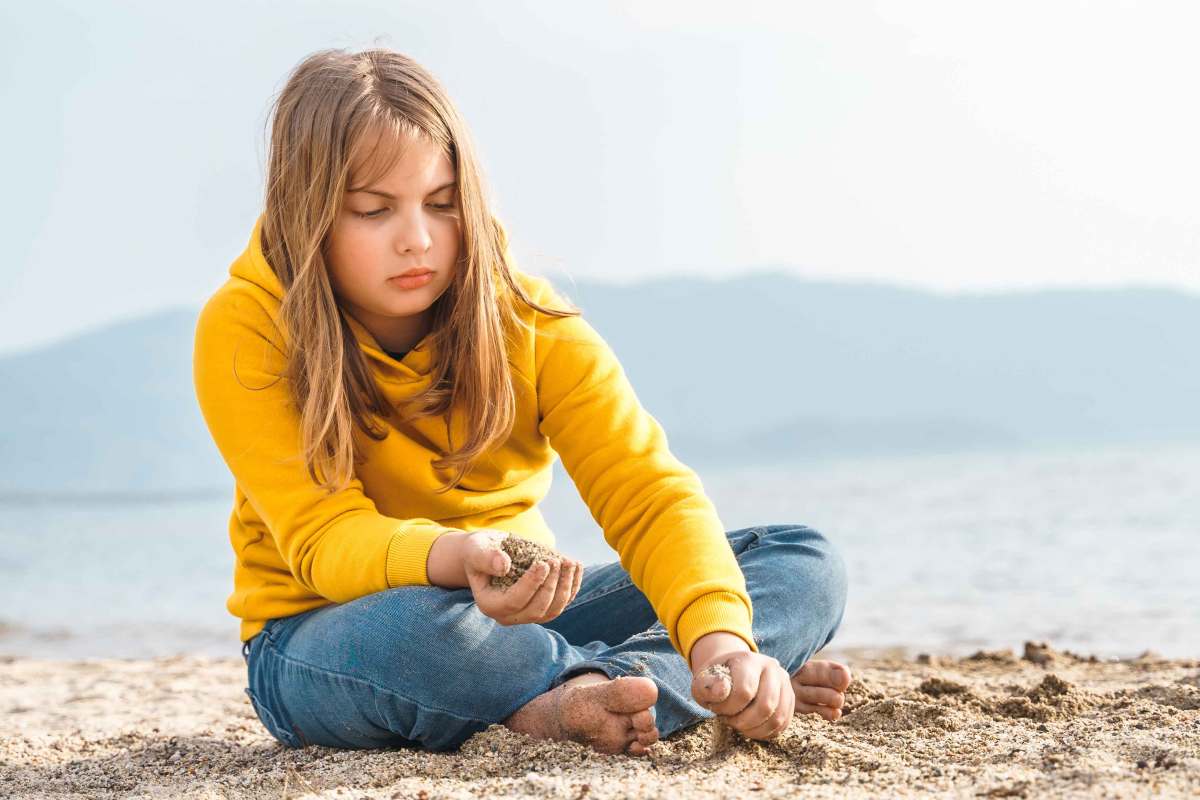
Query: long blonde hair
(319,122)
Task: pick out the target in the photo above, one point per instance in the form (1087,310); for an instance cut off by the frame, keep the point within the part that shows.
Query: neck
(396,334)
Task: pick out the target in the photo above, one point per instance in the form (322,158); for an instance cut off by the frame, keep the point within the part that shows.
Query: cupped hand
(756,699)
(539,595)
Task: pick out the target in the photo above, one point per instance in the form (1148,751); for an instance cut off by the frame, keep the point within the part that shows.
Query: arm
(651,507)
(336,545)
(446,565)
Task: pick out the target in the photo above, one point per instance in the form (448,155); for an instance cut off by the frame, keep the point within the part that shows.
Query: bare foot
(820,688)
(612,716)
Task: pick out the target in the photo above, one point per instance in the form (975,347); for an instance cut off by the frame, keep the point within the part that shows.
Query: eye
(443,206)
(370,214)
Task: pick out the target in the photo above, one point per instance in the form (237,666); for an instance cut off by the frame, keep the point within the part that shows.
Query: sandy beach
(1038,723)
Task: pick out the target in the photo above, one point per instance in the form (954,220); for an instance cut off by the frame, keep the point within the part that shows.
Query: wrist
(445,564)
(712,646)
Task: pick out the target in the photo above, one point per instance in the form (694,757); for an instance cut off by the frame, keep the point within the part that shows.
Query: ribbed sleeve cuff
(408,555)
(716,611)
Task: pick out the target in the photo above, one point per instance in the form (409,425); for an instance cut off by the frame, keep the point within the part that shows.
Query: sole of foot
(611,716)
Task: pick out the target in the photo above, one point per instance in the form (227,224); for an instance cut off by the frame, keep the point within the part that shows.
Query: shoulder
(535,286)
(240,301)
(237,314)
(545,293)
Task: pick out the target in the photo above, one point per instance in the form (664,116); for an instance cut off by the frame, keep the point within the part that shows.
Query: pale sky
(957,146)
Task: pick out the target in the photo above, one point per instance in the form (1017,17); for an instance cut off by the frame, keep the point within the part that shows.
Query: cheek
(351,256)
(449,239)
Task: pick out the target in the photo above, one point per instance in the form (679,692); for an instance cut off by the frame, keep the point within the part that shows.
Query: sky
(955,146)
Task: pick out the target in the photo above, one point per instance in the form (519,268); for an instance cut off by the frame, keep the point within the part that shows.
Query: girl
(389,392)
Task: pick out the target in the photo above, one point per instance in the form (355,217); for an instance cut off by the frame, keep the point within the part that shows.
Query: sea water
(1094,550)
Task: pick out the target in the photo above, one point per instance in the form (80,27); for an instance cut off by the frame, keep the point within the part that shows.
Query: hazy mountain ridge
(766,366)
(1057,365)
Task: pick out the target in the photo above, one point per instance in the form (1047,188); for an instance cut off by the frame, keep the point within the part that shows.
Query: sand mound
(1052,698)
(896,714)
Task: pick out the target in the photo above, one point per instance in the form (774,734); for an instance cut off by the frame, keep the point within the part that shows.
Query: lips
(412,279)
(414,272)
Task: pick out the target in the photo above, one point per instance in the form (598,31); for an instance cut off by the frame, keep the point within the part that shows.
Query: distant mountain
(763,367)
(772,365)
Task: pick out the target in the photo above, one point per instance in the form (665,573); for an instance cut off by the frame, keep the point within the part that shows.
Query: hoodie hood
(252,266)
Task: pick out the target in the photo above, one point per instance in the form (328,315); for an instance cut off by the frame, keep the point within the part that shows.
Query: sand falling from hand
(524,554)
(711,676)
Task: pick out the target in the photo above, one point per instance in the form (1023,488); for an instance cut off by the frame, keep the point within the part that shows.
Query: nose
(412,234)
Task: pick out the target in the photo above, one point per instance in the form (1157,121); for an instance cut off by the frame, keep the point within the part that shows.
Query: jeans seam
(286,735)
(322,670)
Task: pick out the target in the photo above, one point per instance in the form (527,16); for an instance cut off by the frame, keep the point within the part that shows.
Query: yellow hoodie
(297,547)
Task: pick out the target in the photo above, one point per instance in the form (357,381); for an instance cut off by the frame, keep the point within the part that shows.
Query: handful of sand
(524,554)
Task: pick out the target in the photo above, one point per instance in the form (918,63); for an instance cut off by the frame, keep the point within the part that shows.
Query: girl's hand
(756,699)
(540,595)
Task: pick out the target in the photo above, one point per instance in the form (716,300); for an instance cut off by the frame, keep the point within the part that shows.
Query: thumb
(713,684)
(493,562)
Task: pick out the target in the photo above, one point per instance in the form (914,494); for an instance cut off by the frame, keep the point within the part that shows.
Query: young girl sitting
(389,392)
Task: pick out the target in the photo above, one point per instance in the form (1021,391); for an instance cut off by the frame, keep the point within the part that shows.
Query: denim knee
(819,570)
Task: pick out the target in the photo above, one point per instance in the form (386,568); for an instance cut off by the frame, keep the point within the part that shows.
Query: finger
(521,592)
(789,694)
(562,593)
(539,604)
(501,563)
(745,677)
(757,715)
(578,580)
(778,721)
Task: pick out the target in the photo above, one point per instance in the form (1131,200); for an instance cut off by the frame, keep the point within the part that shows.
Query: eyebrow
(393,197)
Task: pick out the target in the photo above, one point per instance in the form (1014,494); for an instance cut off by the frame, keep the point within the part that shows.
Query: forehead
(395,161)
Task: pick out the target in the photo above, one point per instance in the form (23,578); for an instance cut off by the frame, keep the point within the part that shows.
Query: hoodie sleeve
(336,545)
(651,507)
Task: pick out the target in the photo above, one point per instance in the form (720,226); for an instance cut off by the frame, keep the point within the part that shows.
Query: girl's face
(408,219)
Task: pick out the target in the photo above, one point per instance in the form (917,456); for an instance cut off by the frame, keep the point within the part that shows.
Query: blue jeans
(421,666)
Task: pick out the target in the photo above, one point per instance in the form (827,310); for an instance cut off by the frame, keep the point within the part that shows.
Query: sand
(523,554)
(722,734)
(992,725)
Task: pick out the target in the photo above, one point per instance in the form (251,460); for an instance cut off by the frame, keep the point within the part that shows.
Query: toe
(648,737)
(841,676)
(642,720)
(820,695)
(640,740)
(628,695)
(618,734)
(824,673)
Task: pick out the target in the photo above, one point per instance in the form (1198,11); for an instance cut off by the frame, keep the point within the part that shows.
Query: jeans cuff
(607,667)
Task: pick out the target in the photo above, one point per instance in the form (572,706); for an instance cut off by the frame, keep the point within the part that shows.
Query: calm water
(1094,550)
